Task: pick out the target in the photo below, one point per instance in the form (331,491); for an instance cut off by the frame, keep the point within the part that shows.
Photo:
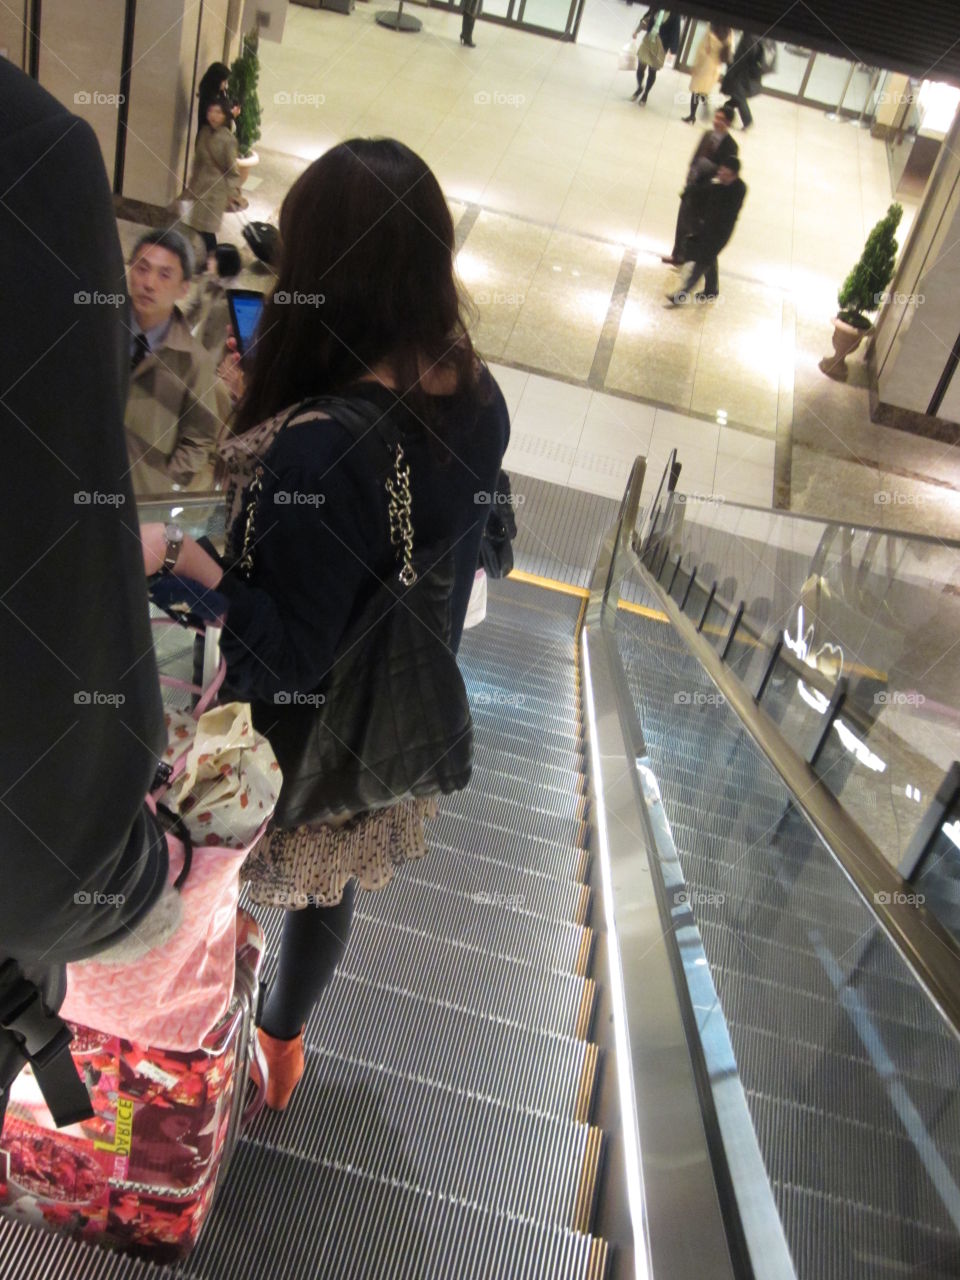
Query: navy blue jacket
(316,557)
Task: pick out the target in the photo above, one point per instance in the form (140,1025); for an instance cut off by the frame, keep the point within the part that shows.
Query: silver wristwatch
(174,537)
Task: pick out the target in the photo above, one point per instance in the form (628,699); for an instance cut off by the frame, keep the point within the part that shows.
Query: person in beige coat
(712,50)
(215,179)
(172,420)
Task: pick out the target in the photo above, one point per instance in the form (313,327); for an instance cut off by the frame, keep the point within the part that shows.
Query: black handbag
(391,718)
(496,545)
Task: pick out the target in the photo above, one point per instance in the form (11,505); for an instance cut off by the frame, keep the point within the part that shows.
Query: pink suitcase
(141,1175)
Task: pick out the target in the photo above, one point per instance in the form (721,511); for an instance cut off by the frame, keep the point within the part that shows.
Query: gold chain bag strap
(394,719)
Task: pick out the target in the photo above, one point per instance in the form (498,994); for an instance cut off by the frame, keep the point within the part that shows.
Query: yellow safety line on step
(657,615)
(549,584)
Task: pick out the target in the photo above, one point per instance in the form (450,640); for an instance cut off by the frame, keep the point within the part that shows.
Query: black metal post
(683,602)
(737,619)
(764,679)
(123,110)
(830,715)
(673,576)
(922,840)
(706,607)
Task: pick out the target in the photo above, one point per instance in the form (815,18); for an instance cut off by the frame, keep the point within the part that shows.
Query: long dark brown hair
(366,277)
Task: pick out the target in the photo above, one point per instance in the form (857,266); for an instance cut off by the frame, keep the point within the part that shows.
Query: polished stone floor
(565,194)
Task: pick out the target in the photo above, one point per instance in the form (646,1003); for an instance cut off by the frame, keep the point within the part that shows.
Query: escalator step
(29,1253)
(512,816)
(495,884)
(563,734)
(570,802)
(439,1142)
(350,1225)
(420,1038)
(570,861)
(474,980)
(551,768)
(488,927)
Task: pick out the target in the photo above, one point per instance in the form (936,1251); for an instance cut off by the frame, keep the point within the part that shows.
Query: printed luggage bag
(141,1175)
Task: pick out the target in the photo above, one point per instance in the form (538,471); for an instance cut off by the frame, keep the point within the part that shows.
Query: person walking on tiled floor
(717,204)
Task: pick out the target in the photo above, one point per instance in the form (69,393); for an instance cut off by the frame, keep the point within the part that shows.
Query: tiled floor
(571,192)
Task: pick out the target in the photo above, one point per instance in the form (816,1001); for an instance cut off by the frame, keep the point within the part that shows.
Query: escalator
(666,999)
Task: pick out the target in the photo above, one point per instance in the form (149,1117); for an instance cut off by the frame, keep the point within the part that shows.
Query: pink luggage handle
(205,697)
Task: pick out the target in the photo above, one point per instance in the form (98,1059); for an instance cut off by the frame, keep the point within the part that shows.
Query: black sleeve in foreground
(82,722)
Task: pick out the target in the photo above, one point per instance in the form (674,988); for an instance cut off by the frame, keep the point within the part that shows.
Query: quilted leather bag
(391,719)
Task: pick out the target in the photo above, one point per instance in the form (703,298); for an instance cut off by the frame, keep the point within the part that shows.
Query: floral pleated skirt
(311,865)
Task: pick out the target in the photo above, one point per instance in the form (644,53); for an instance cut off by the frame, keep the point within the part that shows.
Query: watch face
(173,533)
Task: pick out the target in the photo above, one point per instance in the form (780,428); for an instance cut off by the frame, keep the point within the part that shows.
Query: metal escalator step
(532,853)
(31,1253)
(349,1226)
(555,768)
(466,872)
(524,742)
(525,820)
(571,803)
(476,981)
(532,730)
(420,1038)
(492,928)
(439,1142)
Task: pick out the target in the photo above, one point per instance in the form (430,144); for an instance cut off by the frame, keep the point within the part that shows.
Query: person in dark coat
(471,11)
(651,57)
(743,78)
(213,85)
(81,859)
(717,205)
(712,150)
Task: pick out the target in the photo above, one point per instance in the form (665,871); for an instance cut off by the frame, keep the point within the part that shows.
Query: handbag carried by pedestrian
(391,720)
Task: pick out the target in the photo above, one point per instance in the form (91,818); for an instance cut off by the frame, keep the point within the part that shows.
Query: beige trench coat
(214,180)
(706,65)
(172,420)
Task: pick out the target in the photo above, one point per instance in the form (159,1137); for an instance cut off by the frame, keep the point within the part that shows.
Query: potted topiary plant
(242,87)
(863,291)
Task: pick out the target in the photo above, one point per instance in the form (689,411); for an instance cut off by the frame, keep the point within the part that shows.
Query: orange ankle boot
(285,1062)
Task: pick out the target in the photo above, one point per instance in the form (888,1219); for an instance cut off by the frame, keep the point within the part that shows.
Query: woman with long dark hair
(366,308)
(213,85)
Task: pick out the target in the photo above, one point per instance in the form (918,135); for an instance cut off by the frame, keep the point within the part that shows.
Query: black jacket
(699,169)
(82,721)
(314,559)
(743,76)
(718,207)
(669,29)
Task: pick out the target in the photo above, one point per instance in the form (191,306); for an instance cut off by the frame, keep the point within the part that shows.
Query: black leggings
(651,76)
(312,945)
(695,100)
(209,239)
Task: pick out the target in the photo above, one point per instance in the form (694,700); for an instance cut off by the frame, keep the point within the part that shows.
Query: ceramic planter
(846,339)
